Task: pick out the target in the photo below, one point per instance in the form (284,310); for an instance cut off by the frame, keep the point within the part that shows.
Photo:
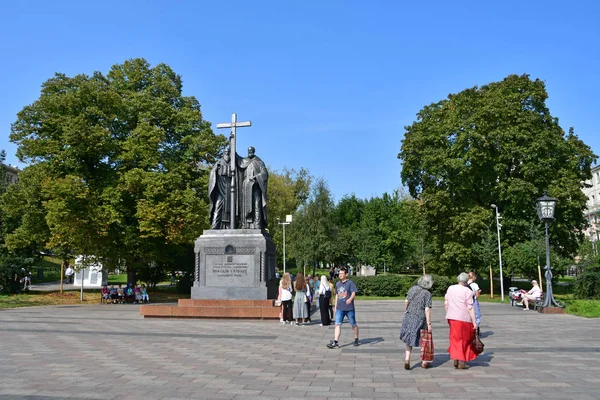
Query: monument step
(225,303)
(212,311)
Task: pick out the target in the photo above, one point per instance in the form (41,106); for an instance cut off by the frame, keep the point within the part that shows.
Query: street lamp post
(545,210)
(288,220)
(498,226)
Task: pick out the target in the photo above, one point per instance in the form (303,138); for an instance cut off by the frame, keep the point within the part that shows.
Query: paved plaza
(110,352)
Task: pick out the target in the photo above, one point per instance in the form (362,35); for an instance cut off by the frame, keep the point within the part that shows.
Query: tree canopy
(114,162)
(497,144)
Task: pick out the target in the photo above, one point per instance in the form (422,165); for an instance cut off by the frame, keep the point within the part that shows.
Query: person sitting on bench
(532,295)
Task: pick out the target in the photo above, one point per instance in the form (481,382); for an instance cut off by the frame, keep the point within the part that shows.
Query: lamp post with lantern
(545,209)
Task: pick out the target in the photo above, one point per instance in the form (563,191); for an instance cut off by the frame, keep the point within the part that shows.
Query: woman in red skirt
(461,318)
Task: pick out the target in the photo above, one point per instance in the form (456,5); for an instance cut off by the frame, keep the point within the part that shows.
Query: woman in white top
(285,288)
(476,292)
(324,296)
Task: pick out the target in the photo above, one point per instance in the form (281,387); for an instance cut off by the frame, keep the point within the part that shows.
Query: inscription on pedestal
(229,270)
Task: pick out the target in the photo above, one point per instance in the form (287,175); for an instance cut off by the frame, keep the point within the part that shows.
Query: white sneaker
(526,309)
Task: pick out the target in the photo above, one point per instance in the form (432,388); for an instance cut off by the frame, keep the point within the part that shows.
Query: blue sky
(328,85)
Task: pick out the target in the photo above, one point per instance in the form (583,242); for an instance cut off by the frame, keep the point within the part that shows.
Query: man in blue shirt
(345,292)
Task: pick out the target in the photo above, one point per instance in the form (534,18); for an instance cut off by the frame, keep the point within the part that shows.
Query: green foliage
(495,144)
(441,285)
(383,285)
(113,167)
(587,285)
(311,232)
(396,285)
(12,271)
(287,191)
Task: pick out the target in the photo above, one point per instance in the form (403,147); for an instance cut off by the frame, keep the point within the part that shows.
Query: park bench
(514,300)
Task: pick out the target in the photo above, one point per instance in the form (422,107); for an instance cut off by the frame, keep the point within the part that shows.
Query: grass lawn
(38,298)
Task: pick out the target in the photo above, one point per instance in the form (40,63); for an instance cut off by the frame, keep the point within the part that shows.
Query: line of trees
(117,169)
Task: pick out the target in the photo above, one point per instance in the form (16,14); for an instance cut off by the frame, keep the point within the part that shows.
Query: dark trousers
(308,310)
(324,308)
(287,310)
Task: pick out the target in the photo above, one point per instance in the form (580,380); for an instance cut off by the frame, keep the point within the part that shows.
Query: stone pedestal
(234,264)
(551,310)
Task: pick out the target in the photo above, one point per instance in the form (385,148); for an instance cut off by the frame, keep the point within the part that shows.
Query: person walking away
(417,316)
(300,287)
(69,272)
(285,285)
(345,292)
(460,314)
(324,293)
(476,292)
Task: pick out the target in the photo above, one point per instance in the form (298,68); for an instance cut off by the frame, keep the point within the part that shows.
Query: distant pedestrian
(476,292)
(417,317)
(26,279)
(324,293)
(301,288)
(285,287)
(345,291)
(69,272)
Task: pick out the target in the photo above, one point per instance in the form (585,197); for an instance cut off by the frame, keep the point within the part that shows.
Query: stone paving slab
(111,352)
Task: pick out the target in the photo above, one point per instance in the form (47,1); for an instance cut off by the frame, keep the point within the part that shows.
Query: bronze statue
(219,187)
(253,191)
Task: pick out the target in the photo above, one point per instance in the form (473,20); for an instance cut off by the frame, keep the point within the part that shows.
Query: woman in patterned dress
(417,316)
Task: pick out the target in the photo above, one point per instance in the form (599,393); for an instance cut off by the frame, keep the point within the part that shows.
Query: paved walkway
(109,352)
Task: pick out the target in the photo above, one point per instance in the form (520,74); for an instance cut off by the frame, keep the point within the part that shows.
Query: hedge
(396,285)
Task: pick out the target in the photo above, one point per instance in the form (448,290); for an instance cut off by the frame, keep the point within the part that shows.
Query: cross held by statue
(232,151)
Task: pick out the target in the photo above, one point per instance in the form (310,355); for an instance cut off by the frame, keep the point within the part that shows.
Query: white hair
(463,277)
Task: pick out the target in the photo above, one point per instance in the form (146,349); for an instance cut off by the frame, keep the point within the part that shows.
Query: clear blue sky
(328,85)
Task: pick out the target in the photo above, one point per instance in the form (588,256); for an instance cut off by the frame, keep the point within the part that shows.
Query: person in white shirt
(476,292)
(69,274)
(533,294)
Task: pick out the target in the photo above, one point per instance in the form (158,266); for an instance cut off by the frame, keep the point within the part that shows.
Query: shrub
(440,285)
(587,285)
(396,285)
(11,273)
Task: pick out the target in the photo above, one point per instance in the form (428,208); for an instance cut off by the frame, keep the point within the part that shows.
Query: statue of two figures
(249,195)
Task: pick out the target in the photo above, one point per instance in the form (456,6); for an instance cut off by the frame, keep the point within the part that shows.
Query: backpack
(327,294)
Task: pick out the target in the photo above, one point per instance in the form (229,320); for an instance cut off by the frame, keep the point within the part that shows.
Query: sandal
(407,365)
(463,365)
(455,363)
(425,365)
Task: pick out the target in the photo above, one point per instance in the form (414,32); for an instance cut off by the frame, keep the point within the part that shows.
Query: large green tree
(311,233)
(120,155)
(494,144)
(287,191)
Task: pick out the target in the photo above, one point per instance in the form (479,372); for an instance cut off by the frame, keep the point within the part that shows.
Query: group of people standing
(462,313)
(298,308)
(336,302)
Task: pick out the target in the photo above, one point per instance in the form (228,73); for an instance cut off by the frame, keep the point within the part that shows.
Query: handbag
(277,303)
(477,345)
(327,294)
(426,346)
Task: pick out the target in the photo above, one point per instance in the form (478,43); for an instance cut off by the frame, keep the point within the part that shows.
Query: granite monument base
(234,277)
(234,264)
